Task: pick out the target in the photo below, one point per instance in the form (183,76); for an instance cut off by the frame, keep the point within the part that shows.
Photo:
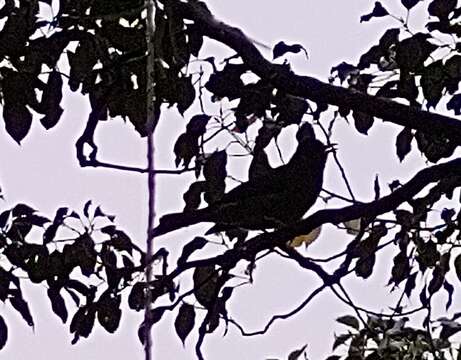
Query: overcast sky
(43,172)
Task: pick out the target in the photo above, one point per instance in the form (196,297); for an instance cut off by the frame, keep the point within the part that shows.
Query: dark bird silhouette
(278,198)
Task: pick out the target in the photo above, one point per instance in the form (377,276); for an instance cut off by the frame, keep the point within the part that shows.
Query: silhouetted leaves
(215,174)
(22,307)
(109,313)
(441,8)
(205,285)
(185,321)
(403,143)
(455,104)
(196,244)
(82,323)
(363,122)
(137,297)
(349,320)
(295,354)
(378,11)
(3,333)
(412,52)
(227,83)
(281,49)
(409,3)
(51,98)
(57,303)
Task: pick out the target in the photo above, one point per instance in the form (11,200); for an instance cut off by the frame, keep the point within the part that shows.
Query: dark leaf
(197,125)
(109,313)
(86,208)
(137,297)
(196,244)
(57,303)
(343,70)
(441,8)
(227,83)
(378,11)
(83,322)
(450,290)
(455,104)
(341,339)
(51,98)
(433,82)
(349,320)
(458,266)
(403,143)
(409,3)
(4,217)
(121,242)
(192,197)
(22,210)
(411,53)
(363,122)
(185,148)
(215,174)
(18,120)
(185,321)
(438,278)
(3,332)
(21,306)
(281,49)
(205,285)
(401,268)
(376,188)
(294,355)
(410,284)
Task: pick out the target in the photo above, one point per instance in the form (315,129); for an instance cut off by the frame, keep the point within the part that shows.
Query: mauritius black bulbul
(278,198)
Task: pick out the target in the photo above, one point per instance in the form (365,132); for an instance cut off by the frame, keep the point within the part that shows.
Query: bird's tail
(174,221)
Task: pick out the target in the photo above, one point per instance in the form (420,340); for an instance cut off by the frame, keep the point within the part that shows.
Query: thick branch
(313,89)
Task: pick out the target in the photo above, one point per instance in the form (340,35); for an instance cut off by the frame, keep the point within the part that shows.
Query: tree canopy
(142,69)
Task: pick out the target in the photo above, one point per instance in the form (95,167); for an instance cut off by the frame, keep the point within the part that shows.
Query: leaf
(185,148)
(363,121)
(341,339)
(441,8)
(438,278)
(197,125)
(51,98)
(192,197)
(185,321)
(450,290)
(109,313)
(401,268)
(294,355)
(58,304)
(378,11)
(305,239)
(411,53)
(22,210)
(18,120)
(3,332)
(409,3)
(83,322)
(205,285)
(403,143)
(433,83)
(457,264)
(455,104)
(281,49)
(215,175)
(349,320)
(376,188)
(196,244)
(21,306)
(137,297)
(410,284)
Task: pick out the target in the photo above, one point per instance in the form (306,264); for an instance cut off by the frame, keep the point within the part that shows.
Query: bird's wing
(271,183)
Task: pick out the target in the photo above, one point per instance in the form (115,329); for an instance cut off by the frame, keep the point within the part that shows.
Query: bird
(276,199)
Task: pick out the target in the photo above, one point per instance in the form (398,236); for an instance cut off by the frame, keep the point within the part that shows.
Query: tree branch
(311,88)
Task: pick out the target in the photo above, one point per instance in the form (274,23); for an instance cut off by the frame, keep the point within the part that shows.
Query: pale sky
(44,172)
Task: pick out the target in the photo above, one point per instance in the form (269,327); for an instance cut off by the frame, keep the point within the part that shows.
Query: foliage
(102,45)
